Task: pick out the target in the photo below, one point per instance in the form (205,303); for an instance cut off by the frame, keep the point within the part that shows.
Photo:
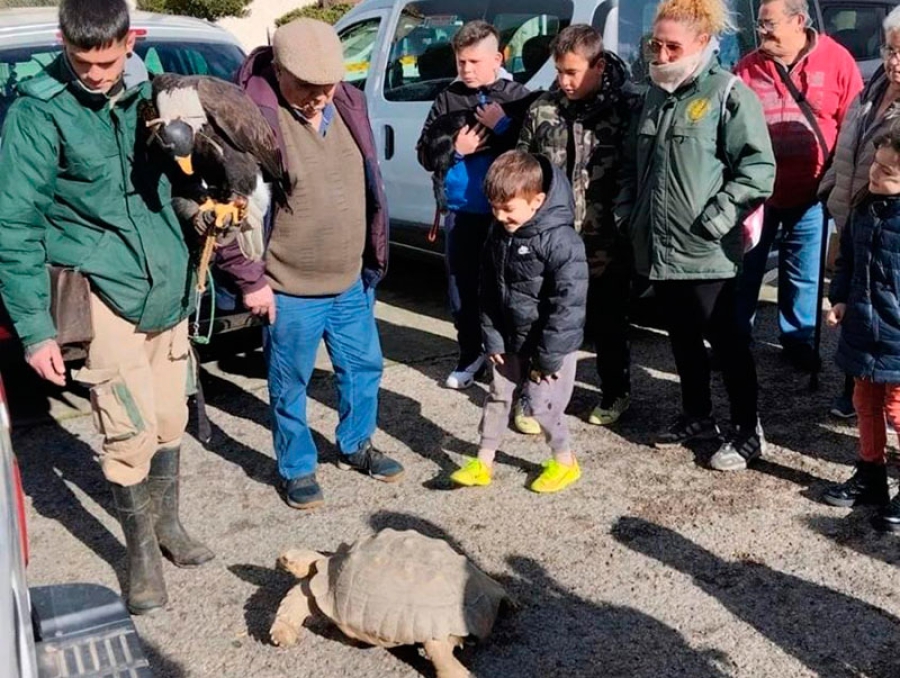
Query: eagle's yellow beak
(184,162)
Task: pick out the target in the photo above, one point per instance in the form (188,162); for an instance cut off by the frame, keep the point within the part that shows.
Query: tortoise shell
(399,588)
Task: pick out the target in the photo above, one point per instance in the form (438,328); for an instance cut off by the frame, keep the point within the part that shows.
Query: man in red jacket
(806,82)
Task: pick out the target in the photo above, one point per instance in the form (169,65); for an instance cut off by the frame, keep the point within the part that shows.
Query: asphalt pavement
(652,566)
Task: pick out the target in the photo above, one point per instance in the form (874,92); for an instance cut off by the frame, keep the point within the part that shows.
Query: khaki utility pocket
(115,411)
(180,348)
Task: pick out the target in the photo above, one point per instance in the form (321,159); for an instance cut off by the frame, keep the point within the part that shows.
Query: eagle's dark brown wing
(237,119)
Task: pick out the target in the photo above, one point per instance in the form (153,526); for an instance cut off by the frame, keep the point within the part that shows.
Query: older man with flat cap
(324,257)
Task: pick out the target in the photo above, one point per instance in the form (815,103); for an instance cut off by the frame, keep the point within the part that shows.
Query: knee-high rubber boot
(146,586)
(175,543)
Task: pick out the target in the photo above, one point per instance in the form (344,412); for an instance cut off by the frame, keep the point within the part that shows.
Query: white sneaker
(464,378)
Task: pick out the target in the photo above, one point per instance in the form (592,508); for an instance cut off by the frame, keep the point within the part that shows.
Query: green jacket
(585,140)
(690,178)
(77,190)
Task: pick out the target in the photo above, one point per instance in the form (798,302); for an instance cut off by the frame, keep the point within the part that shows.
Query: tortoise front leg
(293,611)
(440,652)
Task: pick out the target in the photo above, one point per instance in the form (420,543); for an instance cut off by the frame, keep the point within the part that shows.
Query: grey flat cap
(310,51)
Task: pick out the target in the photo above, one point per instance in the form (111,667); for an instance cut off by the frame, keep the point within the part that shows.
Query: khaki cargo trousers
(138,383)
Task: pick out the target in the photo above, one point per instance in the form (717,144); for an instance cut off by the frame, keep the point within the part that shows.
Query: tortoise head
(299,562)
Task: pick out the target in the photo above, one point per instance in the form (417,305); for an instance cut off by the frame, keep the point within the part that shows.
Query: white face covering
(671,76)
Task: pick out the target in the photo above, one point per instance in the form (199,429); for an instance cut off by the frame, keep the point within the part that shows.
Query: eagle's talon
(229,214)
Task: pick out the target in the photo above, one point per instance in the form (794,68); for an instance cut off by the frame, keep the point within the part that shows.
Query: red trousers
(875,404)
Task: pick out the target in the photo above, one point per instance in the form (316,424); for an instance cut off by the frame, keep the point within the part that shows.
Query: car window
(187,58)
(636,22)
(358,41)
(422,62)
(857,27)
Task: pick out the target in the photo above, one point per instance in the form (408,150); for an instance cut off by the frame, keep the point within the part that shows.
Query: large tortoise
(392,588)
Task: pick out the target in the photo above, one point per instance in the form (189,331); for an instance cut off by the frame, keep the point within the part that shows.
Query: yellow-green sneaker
(525,424)
(474,474)
(606,416)
(556,477)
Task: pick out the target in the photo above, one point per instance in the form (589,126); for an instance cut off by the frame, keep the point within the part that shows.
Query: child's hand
(836,315)
(496,358)
(539,377)
(489,115)
(470,139)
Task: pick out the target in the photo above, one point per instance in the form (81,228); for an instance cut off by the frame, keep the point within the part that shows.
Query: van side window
(856,27)
(635,22)
(358,41)
(422,63)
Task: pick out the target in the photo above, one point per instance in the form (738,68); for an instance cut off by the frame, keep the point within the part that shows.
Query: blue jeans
(347,323)
(798,272)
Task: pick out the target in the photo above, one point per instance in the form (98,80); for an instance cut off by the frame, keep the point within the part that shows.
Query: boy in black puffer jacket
(865,304)
(534,281)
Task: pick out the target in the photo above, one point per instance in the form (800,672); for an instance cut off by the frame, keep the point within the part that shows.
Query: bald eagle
(218,136)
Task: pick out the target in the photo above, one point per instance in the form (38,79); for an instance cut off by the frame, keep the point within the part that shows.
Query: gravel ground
(650,567)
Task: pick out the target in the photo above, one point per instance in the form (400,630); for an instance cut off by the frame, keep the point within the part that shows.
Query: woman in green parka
(699,162)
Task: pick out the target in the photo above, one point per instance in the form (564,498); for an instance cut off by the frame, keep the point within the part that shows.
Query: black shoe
(743,445)
(303,492)
(802,357)
(371,461)
(866,487)
(164,492)
(686,429)
(888,518)
(146,585)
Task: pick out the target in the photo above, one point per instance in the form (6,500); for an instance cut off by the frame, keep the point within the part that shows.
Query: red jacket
(829,78)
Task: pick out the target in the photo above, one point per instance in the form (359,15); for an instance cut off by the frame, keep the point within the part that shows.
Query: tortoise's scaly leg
(294,610)
(440,652)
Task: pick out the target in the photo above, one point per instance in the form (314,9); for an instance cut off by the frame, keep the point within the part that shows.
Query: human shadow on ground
(554,633)
(51,459)
(831,633)
(161,665)
(400,416)
(238,402)
(854,531)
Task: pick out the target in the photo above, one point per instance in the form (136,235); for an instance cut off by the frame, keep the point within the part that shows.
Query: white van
(398,52)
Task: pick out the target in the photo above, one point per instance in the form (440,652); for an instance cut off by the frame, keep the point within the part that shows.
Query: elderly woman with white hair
(875,111)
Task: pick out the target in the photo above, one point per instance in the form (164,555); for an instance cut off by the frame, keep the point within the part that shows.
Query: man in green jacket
(699,162)
(77,190)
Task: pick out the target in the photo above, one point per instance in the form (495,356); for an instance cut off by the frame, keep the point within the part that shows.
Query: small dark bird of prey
(218,136)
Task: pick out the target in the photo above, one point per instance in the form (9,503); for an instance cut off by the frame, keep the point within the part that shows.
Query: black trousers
(607,327)
(698,309)
(464,241)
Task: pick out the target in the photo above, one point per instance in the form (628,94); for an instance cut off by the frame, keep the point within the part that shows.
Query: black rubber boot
(888,518)
(866,487)
(146,586)
(164,490)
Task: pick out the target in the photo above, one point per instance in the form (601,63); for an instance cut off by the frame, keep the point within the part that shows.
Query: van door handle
(388,142)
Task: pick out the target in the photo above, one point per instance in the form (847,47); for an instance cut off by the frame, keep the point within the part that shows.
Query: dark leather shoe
(866,487)
(369,460)
(888,518)
(303,492)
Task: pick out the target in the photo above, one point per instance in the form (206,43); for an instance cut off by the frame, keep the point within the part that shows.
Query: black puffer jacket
(868,281)
(534,282)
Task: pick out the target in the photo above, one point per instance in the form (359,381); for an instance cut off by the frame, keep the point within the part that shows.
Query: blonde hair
(707,16)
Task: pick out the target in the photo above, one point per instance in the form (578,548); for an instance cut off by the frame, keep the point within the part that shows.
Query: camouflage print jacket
(585,139)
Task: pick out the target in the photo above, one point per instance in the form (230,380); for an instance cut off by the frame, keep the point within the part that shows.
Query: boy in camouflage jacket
(581,127)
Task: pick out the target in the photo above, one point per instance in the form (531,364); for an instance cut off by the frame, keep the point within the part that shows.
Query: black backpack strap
(805,108)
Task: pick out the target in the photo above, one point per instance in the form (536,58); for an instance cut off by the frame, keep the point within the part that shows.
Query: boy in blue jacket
(482,87)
